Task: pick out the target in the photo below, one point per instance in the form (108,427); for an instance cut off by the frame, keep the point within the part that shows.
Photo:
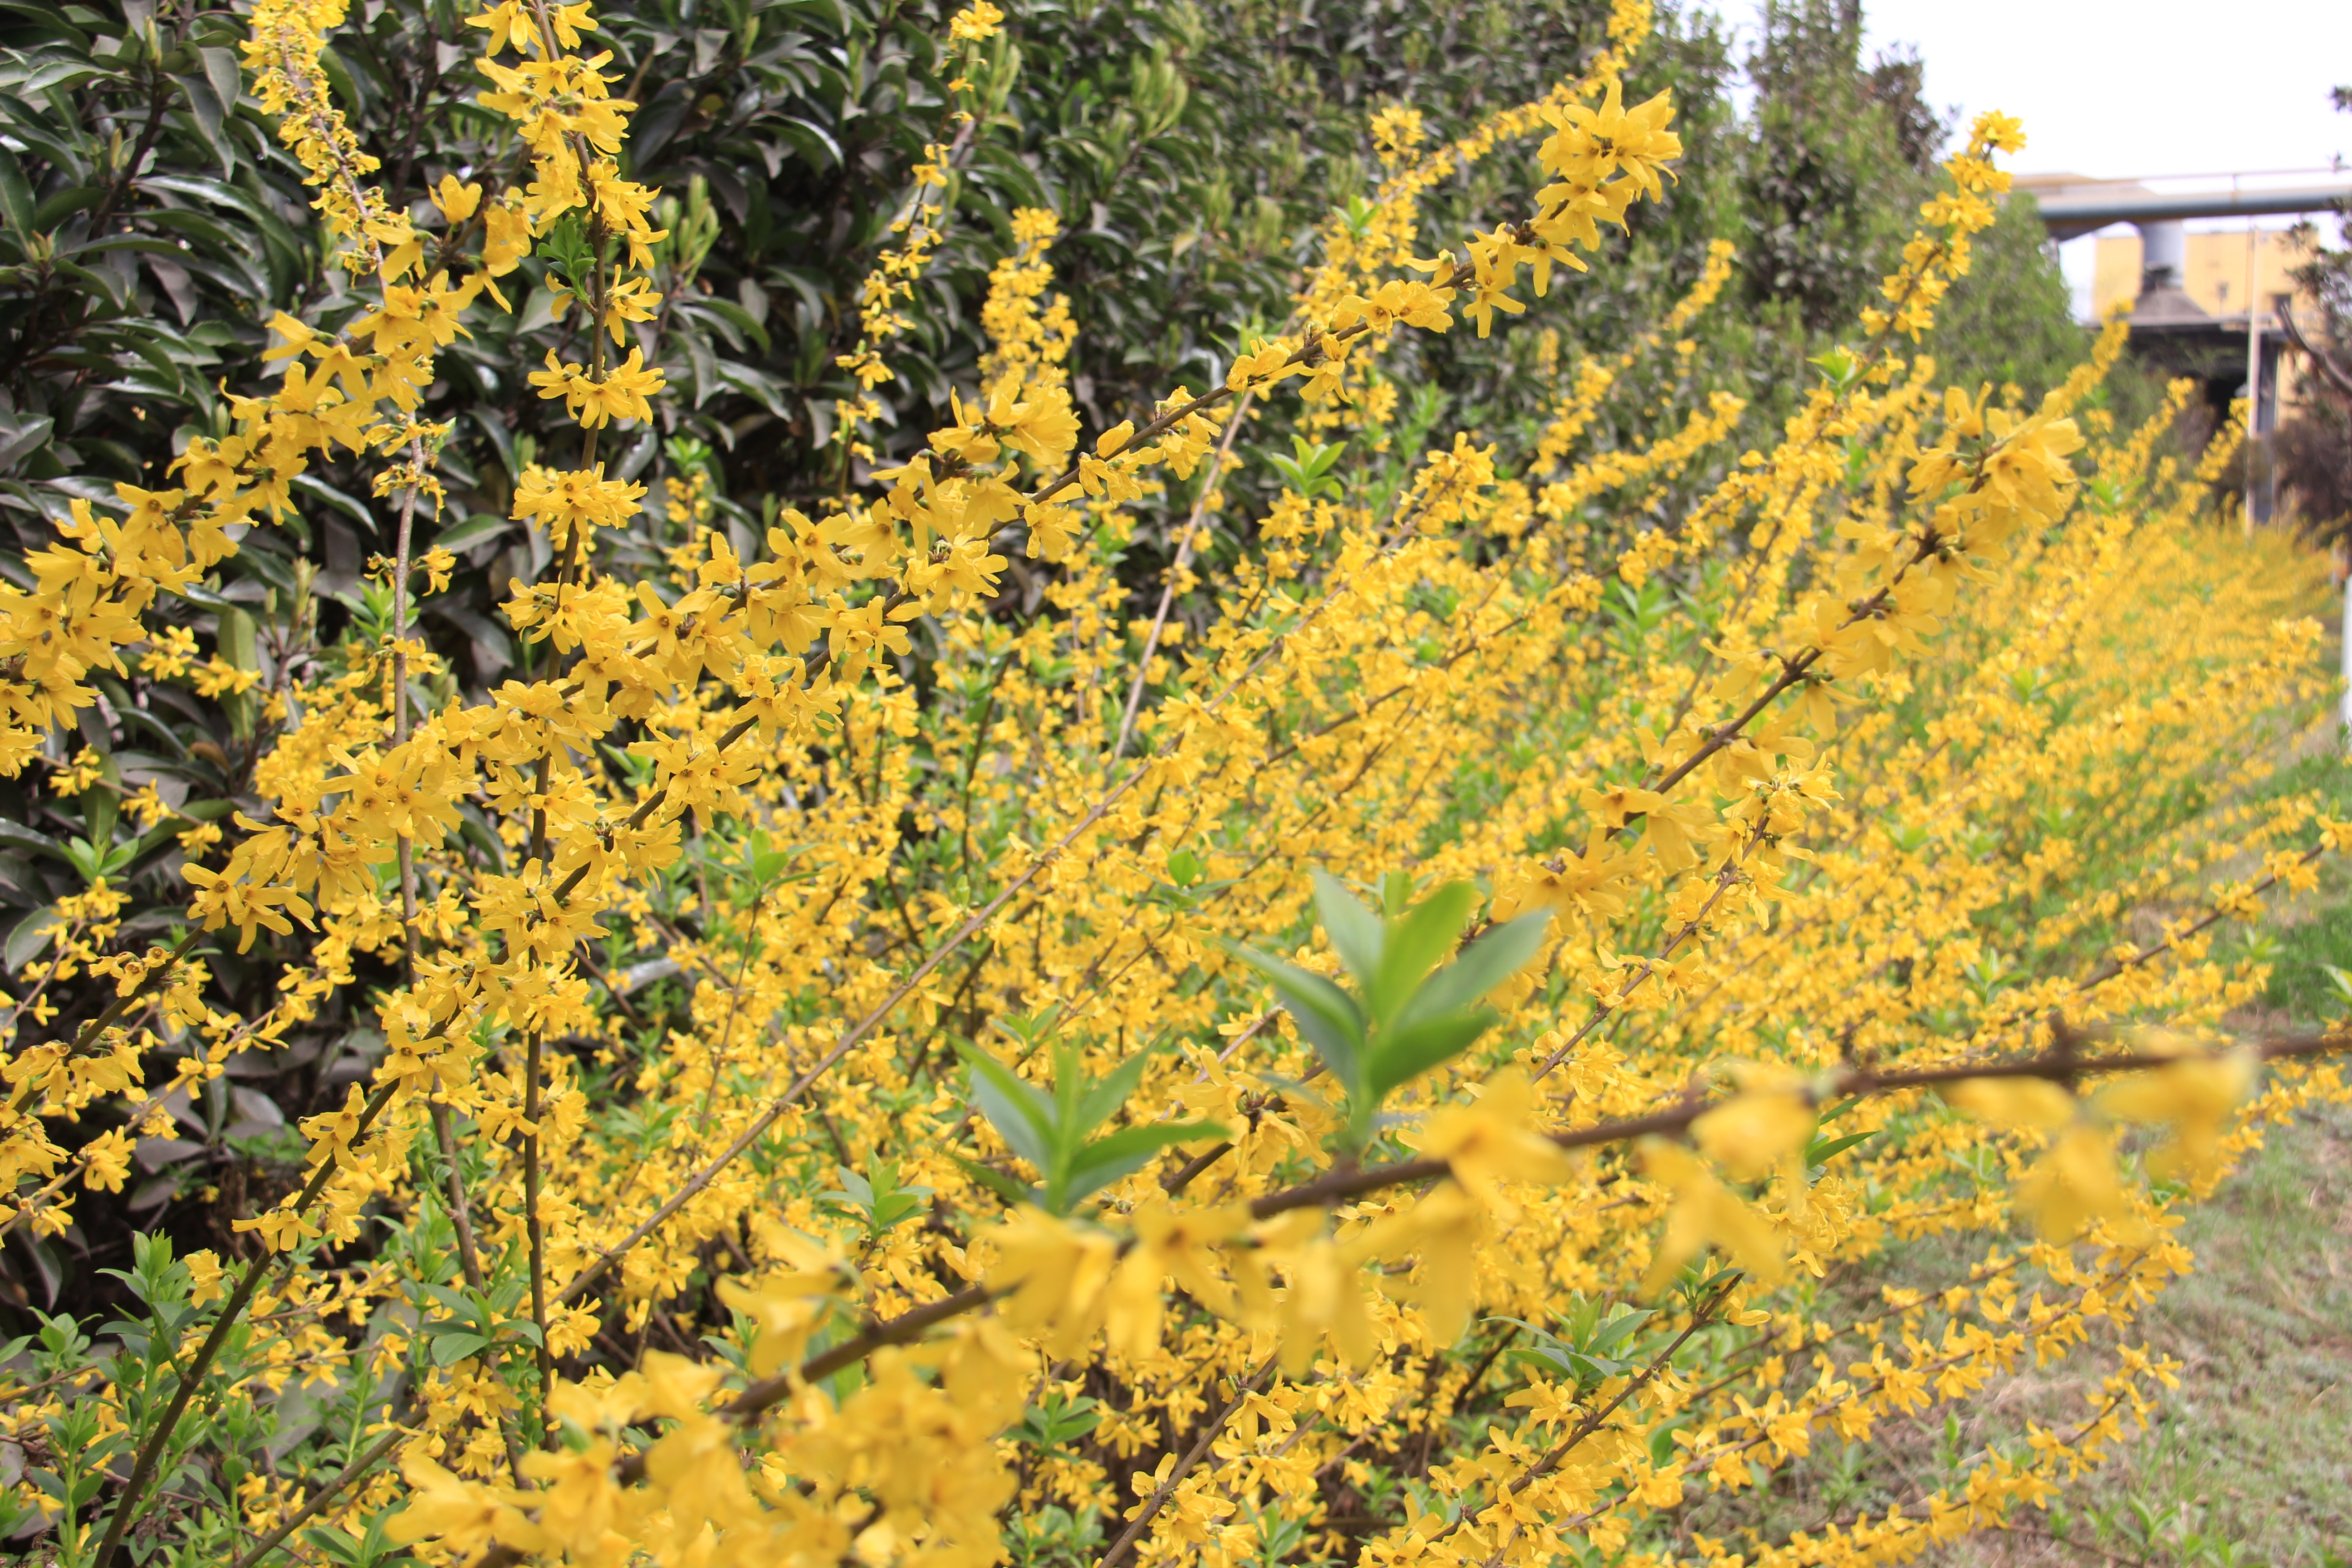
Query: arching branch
(2329,371)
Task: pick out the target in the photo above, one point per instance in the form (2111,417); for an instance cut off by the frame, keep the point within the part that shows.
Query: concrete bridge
(2071,208)
(2232,356)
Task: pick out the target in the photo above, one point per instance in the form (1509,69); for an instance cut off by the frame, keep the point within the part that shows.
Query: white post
(2346,709)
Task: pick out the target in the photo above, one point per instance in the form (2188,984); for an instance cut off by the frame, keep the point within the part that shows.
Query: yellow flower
(1704,1213)
(786,1306)
(2193,1097)
(1762,1129)
(106,1160)
(1320,1290)
(219,679)
(1270,363)
(463,1516)
(1168,1242)
(1493,1139)
(976,23)
(87,768)
(456,201)
(1059,1277)
(2075,1183)
(2013,1101)
(205,1277)
(281,1229)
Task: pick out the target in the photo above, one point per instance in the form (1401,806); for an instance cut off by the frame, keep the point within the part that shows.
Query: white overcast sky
(2115,90)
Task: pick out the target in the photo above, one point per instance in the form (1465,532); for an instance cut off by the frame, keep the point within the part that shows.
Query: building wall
(2216,267)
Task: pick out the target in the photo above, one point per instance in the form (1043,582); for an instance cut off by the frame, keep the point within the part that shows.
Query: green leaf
(476,528)
(1122,1153)
(995,1180)
(456,1302)
(1840,1109)
(855,1189)
(1108,1095)
(1483,965)
(205,109)
(221,68)
(1822,1151)
(15,196)
(448,1349)
(1053,1422)
(734,315)
(195,225)
(1426,933)
(349,506)
(1404,1054)
(1355,931)
(1617,1328)
(810,140)
(1326,1014)
(54,210)
(16,835)
(30,935)
(26,437)
(1017,1109)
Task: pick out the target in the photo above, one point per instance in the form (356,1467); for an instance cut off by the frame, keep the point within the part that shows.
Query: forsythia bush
(1442,1042)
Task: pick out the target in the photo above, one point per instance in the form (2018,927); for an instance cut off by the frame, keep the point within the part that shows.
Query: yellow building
(2214,272)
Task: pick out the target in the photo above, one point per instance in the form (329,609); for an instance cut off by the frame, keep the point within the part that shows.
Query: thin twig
(311,1509)
(1176,570)
(1167,1488)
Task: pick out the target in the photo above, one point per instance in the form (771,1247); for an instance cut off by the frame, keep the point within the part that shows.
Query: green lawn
(2251,1460)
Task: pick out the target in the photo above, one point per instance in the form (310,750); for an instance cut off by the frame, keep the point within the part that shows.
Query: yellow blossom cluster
(1410,1057)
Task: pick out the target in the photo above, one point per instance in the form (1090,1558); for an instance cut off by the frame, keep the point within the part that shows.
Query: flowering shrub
(846,1065)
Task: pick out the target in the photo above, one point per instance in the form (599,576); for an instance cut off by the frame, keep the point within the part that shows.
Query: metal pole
(2253,375)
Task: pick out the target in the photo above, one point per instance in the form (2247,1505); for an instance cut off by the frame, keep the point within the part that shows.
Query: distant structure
(2202,305)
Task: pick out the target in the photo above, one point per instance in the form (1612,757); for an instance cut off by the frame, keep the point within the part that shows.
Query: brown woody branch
(2335,374)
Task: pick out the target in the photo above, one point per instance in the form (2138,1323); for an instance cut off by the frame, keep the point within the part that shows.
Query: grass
(2250,1462)
(2247,1464)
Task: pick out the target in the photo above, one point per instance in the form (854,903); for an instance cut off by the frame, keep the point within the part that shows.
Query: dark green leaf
(1326,1014)
(477,528)
(222,70)
(1483,965)
(1108,1095)
(24,438)
(1416,941)
(1129,1149)
(350,506)
(55,209)
(205,109)
(29,936)
(1017,1109)
(995,1180)
(1355,931)
(23,837)
(1401,1055)
(15,198)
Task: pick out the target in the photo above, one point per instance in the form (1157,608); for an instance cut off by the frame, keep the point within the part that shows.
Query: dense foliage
(151,206)
(755,829)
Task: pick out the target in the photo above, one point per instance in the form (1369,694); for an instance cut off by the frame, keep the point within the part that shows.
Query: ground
(2250,1462)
